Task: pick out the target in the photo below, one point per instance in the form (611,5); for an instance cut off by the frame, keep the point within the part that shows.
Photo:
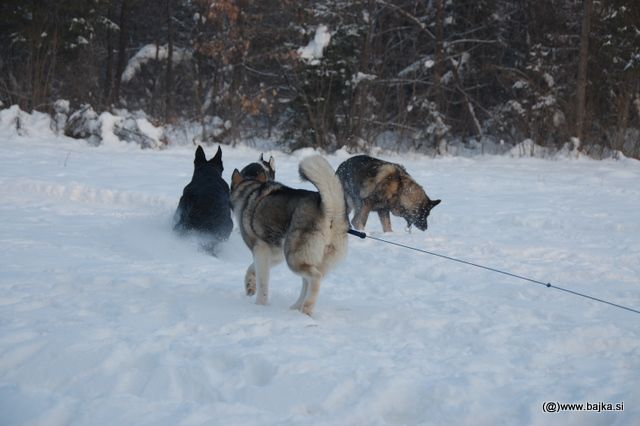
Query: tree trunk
(237,75)
(467,99)
(108,78)
(439,66)
(168,104)
(624,103)
(359,108)
(581,91)
(122,50)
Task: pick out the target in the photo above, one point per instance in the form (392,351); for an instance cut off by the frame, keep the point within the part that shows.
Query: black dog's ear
(261,158)
(435,203)
(217,159)
(200,157)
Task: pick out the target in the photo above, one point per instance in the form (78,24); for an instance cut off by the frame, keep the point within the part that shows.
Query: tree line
(417,73)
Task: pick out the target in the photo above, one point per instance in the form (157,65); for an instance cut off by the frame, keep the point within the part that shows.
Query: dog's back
(268,212)
(204,205)
(359,176)
(272,211)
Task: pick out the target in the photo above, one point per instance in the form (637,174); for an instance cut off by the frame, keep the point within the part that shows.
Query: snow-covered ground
(108,318)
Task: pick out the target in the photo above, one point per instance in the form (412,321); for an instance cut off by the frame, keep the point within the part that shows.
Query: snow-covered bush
(60,116)
(108,128)
(84,124)
(15,121)
(214,128)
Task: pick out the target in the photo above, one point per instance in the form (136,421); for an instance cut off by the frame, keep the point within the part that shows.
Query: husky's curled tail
(318,171)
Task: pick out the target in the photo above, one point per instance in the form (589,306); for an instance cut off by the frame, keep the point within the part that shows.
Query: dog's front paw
(250,283)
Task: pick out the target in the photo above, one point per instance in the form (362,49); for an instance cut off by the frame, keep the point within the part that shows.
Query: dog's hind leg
(360,217)
(303,294)
(250,280)
(262,264)
(385,220)
(312,296)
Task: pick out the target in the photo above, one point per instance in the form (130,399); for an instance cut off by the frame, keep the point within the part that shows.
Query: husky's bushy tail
(319,172)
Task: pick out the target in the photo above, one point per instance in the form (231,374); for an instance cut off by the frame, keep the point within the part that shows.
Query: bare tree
(168,95)
(122,50)
(581,89)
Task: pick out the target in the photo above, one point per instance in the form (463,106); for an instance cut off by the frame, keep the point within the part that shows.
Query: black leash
(548,285)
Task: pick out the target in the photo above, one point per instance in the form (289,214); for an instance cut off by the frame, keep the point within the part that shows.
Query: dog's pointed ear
(272,163)
(236,178)
(262,158)
(200,157)
(435,203)
(217,159)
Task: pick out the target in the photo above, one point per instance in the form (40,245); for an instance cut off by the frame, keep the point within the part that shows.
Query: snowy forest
(404,74)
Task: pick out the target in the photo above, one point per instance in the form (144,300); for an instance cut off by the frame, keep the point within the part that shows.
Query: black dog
(204,206)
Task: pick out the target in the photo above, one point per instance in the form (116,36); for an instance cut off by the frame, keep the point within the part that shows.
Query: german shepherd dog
(371,184)
(266,168)
(204,206)
(307,229)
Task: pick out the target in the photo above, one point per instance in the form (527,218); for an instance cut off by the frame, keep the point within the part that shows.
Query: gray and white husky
(307,229)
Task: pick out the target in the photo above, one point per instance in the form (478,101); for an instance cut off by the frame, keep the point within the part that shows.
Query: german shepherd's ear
(272,163)
(435,203)
(236,178)
(217,159)
(262,158)
(200,157)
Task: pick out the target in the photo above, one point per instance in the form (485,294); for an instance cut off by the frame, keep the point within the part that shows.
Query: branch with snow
(152,52)
(312,52)
(360,76)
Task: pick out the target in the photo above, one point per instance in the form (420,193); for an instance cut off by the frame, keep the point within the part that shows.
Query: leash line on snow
(363,235)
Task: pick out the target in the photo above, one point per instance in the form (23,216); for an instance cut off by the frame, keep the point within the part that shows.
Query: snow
(107,317)
(108,123)
(14,121)
(558,118)
(61,106)
(426,62)
(313,51)
(148,129)
(361,76)
(446,78)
